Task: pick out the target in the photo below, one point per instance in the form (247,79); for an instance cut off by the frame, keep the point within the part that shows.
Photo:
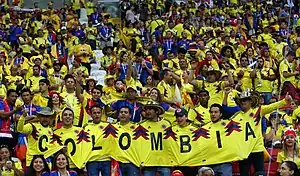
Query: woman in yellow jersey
(275,129)
(242,74)
(119,48)
(9,166)
(290,151)
(131,33)
(227,51)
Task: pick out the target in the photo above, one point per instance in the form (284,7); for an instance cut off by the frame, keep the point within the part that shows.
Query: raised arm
(21,127)
(266,109)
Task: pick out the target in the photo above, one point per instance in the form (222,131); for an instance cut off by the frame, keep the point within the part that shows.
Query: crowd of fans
(209,57)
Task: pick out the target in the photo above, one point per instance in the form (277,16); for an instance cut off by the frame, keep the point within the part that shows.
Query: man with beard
(217,124)
(263,78)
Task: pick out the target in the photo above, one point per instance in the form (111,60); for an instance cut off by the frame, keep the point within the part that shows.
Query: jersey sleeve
(266,109)
(296,114)
(280,157)
(27,129)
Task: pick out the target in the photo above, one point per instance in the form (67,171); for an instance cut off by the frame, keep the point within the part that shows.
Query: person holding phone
(9,166)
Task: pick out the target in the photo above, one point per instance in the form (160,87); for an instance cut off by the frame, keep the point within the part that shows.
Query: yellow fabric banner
(160,144)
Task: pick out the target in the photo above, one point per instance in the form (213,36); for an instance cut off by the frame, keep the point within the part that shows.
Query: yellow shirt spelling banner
(163,144)
(38,139)
(69,137)
(252,121)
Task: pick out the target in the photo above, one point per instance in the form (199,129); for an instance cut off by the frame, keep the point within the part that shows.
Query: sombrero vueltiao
(155,105)
(218,73)
(248,94)
(108,77)
(46,112)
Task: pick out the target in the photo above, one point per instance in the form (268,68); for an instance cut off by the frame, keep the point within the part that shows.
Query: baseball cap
(181,112)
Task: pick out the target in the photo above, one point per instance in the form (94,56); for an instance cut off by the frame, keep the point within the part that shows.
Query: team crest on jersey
(101,127)
(163,126)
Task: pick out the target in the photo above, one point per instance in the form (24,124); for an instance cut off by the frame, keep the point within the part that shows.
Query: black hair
(25,89)
(31,170)
(87,86)
(69,76)
(54,167)
(98,87)
(9,150)
(68,109)
(203,91)
(11,91)
(46,81)
(216,105)
(293,167)
(126,107)
(37,65)
(163,73)
(95,106)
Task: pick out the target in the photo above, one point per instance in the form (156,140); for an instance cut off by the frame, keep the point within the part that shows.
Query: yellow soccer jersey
(252,118)
(67,134)
(33,82)
(72,101)
(199,115)
(38,137)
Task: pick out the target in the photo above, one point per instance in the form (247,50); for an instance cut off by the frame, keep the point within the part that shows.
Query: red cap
(290,132)
(177,173)
(51,93)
